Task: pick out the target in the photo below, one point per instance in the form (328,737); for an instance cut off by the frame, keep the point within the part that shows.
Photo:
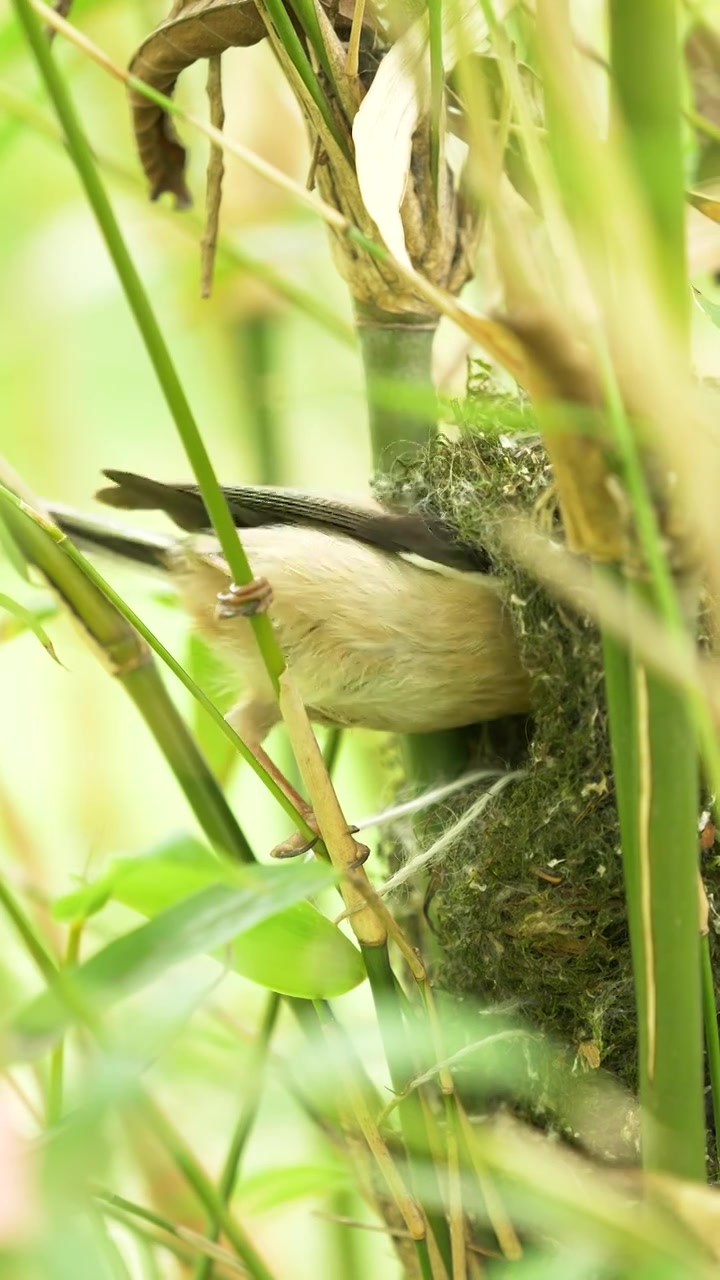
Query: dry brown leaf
(702,55)
(705,203)
(397,100)
(201,29)
(696,1206)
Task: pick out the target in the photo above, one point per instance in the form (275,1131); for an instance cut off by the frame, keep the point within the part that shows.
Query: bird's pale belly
(372,640)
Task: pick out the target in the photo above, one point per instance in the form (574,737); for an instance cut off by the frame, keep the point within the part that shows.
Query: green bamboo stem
(355,1097)
(152,1229)
(621,698)
(397,352)
(150,331)
(255,338)
(252,1090)
(388,1009)
(46,561)
(664,810)
(397,355)
(130,661)
(672,1076)
(645,34)
(57,1060)
(712,1034)
(195,1176)
(144,685)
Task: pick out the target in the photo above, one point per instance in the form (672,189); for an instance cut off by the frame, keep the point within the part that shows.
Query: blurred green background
(278,399)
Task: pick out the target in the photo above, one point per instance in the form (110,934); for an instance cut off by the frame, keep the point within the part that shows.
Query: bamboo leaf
(209,918)
(281,1184)
(22,619)
(711,309)
(297,951)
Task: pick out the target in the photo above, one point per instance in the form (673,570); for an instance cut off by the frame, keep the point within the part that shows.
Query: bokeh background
(280,399)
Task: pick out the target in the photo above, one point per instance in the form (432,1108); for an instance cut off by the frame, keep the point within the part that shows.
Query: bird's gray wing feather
(252,506)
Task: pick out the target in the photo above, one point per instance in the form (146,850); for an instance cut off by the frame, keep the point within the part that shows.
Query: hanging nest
(528,905)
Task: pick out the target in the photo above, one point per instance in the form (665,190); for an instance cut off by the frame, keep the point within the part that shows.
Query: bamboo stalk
(148,326)
(665,773)
(128,658)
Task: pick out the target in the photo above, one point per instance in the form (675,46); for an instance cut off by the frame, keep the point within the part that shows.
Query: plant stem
(712,1035)
(388,1009)
(396,352)
(170,732)
(161,1232)
(57,1060)
(662,761)
(397,355)
(672,1085)
(150,331)
(201,1184)
(650,105)
(252,1086)
(130,661)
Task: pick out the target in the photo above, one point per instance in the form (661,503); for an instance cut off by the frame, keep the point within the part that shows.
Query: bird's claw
(244,601)
(298,844)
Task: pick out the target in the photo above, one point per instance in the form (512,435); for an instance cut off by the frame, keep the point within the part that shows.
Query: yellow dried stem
(334,827)
(215,172)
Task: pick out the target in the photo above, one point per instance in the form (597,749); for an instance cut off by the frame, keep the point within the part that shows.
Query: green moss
(529,904)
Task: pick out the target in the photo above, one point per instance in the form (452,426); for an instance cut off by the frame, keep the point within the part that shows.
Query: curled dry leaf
(201,29)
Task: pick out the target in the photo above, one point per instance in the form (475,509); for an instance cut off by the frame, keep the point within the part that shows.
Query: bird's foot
(298,843)
(244,601)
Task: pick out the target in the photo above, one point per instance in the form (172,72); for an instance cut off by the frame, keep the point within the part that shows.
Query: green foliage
(528,906)
(295,951)
(200,922)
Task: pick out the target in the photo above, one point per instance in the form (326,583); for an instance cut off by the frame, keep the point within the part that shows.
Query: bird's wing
(403,532)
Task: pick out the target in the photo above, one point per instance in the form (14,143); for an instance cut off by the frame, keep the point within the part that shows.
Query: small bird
(385,618)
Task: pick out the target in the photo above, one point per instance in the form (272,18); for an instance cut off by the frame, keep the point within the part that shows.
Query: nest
(529,905)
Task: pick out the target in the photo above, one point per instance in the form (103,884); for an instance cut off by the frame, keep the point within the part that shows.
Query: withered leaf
(200,29)
(702,57)
(707,202)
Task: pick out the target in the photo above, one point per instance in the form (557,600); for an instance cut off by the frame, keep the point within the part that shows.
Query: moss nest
(528,904)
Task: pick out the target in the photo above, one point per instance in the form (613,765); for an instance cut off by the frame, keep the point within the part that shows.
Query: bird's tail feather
(98,533)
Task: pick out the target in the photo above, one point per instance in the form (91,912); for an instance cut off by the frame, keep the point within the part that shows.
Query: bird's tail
(97,533)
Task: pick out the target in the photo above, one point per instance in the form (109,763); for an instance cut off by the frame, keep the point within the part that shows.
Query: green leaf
(207,919)
(274,1187)
(211,674)
(297,952)
(22,619)
(12,552)
(711,309)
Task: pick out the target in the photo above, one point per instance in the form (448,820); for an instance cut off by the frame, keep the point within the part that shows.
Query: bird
(385,617)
